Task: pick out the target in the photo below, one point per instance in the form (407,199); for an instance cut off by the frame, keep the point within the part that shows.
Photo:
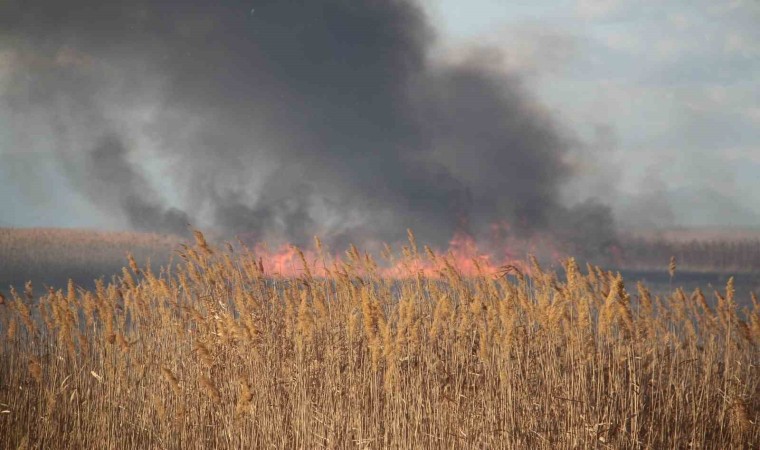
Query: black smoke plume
(286,119)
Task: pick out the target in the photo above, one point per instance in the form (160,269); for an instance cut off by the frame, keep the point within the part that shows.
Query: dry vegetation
(215,354)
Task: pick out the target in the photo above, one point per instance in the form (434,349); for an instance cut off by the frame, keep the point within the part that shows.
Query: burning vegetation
(218,352)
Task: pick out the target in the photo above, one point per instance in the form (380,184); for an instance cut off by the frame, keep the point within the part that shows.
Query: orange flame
(467,256)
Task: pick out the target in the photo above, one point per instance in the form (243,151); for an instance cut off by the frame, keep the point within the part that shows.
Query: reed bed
(213,353)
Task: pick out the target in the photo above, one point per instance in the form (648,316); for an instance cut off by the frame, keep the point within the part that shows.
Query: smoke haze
(283,120)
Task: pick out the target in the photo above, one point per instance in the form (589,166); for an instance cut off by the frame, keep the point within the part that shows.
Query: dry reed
(214,354)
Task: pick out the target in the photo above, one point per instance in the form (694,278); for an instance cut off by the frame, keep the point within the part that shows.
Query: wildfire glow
(500,253)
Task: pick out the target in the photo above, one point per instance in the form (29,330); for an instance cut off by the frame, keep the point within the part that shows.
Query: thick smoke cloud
(289,118)
(114,181)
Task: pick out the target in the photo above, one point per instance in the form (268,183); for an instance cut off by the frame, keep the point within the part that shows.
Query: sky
(668,90)
(655,103)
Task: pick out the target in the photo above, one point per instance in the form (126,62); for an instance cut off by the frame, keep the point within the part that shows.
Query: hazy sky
(669,89)
(661,97)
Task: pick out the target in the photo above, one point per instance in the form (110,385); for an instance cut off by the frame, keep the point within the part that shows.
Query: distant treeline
(702,256)
(52,256)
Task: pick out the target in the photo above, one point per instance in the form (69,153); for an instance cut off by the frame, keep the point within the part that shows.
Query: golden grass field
(214,354)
